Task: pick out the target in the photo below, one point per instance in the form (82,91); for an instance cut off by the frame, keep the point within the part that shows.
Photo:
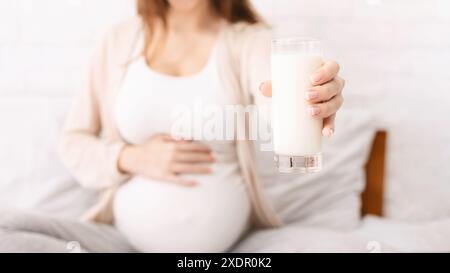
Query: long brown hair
(233,11)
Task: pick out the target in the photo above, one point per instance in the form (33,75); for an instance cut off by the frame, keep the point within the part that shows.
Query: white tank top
(158,216)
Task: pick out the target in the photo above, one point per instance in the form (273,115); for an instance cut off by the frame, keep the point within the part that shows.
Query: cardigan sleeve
(91,159)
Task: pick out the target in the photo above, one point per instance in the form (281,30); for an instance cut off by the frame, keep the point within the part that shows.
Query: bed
(43,184)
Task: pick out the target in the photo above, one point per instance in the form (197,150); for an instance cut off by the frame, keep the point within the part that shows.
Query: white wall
(45,44)
(395,56)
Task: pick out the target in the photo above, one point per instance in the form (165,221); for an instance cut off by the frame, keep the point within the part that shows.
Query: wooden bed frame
(372,197)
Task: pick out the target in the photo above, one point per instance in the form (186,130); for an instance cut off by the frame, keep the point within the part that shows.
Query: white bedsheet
(432,236)
(374,235)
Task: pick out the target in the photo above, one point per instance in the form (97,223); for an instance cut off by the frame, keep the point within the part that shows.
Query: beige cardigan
(90,143)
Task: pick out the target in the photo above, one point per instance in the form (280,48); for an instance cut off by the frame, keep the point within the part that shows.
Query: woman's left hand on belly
(325,94)
(164,158)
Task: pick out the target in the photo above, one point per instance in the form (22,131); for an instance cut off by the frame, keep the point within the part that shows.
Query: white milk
(295,132)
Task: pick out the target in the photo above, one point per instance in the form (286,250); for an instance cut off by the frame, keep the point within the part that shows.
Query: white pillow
(32,176)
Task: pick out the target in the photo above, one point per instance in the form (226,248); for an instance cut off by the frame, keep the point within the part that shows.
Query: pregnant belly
(162,217)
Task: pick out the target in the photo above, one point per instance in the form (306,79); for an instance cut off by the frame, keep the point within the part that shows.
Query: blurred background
(395,56)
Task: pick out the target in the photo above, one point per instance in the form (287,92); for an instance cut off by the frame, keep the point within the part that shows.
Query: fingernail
(314,110)
(328,132)
(261,86)
(311,95)
(316,77)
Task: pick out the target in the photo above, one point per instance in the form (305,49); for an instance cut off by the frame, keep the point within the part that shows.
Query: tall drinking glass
(297,135)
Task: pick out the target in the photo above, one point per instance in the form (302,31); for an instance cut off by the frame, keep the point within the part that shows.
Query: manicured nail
(314,110)
(261,86)
(310,95)
(328,132)
(316,77)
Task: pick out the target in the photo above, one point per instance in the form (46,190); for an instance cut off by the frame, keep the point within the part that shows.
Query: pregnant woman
(161,193)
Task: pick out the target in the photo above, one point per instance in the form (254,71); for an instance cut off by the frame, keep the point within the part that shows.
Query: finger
(328,126)
(325,92)
(170,138)
(188,146)
(180,181)
(164,137)
(195,157)
(326,109)
(185,168)
(325,73)
(266,88)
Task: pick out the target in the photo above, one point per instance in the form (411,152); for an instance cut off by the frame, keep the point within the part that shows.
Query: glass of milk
(297,136)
